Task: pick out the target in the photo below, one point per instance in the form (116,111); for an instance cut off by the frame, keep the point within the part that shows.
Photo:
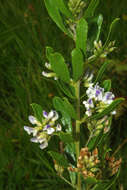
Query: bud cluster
(76,7)
(113,164)
(97,126)
(103,52)
(87,163)
(43,131)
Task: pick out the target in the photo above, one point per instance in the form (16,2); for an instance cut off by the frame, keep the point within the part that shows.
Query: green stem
(77,130)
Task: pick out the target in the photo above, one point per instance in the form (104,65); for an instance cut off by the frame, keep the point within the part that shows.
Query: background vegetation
(25,30)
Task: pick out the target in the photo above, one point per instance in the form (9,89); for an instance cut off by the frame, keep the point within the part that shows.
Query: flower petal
(56,116)
(29,130)
(34,139)
(50,131)
(45,114)
(41,140)
(44,145)
(51,114)
(58,128)
(32,119)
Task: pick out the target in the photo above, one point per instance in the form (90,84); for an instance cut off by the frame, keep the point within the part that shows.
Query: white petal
(32,119)
(55,78)
(35,132)
(45,114)
(48,65)
(56,116)
(34,139)
(50,131)
(58,127)
(113,113)
(51,114)
(89,113)
(29,130)
(41,140)
(44,145)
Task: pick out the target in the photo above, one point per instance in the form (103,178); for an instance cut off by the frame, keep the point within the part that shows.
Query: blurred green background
(25,31)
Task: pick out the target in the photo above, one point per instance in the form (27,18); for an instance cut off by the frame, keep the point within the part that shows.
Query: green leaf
(62,7)
(99,23)
(66,137)
(37,111)
(55,15)
(58,104)
(66,89)
(101,71)
(81,35)
(60,159)
(49,51)
(59,67)
(107,85)
(109,109)
(77,63)
(64,106)
(69,108)
(91,8)
(111,29)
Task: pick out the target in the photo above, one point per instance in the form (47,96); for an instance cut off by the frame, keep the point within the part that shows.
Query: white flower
(108,98)
(48,65)
(58,128)
(34,139)
(88,112)
(55,116)
(44,145)
(51,114)
(45,114)
(32,119)
(29,130)
(113,112)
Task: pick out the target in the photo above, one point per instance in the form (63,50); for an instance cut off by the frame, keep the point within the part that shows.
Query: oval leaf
(58,104)
(62,7)
(55,15)
(77,63)
(107,85)
(81,34)
(59,67)
(69,108)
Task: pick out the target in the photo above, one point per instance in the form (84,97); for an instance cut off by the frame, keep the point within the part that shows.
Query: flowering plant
(91,165)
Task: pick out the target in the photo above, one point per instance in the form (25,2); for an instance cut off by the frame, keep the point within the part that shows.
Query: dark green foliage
(25,31)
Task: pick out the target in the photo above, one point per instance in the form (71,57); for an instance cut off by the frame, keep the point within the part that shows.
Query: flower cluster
(87,163)
(43,131)
(113,164)
(98,99)
(51,74)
